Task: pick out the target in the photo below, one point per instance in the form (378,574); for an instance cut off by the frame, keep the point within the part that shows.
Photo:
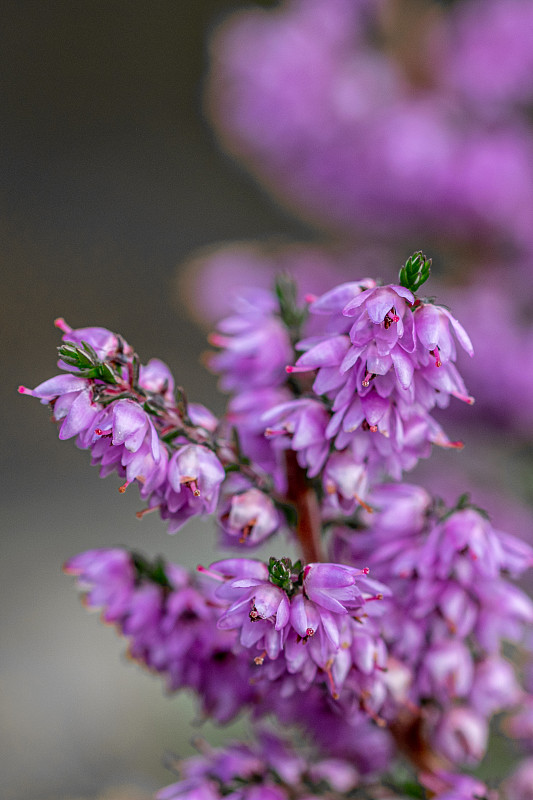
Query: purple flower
(248,517)
(267,770)
(461,736)
(169,621)
(383,374)
(316,632)
(301,426)
(254,344)
(194,476)
(345,483)
(334,126)
(519,785)
(106,343)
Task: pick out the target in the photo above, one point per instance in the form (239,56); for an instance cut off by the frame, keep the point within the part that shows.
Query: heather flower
(466,55)
(461,736)
(170,624)
(381,375)
(106,343)
(312,623)
(333,125)
(519,785)
(345,484)
(254,344)
(452,608)
(267,769)
(448,786)
(194,476)
(248,517)
(244,414)
(301,426)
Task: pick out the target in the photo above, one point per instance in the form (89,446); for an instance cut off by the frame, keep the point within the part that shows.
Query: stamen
(246,531)
(259,660)
(334,692)
(466,398)
(217,340)
(276,432)
(368,377)
(212,574)
(363,504)
(310,298)
(375,597)
(441,441)
(191,483)
(62,325)
(254,613)
(390,317)
(380,722)
(25,390)
(292,369)
(100,432)
(145,511)
(436,355)
(124,486)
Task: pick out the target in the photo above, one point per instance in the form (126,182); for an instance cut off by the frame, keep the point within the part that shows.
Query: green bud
(415,272)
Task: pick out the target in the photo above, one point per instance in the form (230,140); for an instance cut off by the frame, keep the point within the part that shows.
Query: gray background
(110,179)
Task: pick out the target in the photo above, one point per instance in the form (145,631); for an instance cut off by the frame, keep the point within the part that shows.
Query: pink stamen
(217,340)
(259,660)
(290,369)
(124,486)
(436,355)
(62,325)
(464,397)
(25,390)
(309,632)
(375,597)
(192,484)
(366,380)
(310,298)
(100,432)
(211,573)
(275,432)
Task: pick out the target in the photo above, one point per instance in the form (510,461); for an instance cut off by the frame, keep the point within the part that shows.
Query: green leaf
(91,351)
(415,272)
(106,373)
(136,368)
(291,313)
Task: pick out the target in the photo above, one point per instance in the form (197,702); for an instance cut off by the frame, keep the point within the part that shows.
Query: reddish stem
(303,496)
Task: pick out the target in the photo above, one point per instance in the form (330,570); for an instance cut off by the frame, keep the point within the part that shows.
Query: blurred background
(367,140)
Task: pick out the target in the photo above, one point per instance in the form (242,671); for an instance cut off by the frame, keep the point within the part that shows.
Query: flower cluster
(353,133)
(388,364)
(451,609)
(127,415)
(170,622)
(308,622)
(270,769)
(366,667)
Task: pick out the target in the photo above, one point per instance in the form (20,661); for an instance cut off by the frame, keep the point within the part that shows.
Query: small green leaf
(106,373)
(292,315)
(136,368)
(415,272)
(91,351)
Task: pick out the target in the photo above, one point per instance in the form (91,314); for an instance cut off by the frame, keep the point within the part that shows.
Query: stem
(303,496)
(408,733)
